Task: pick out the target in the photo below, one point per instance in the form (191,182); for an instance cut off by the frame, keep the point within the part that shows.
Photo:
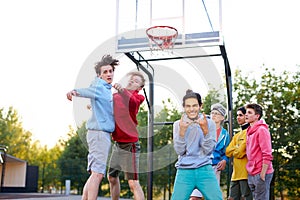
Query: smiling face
(192,108)
(107,73)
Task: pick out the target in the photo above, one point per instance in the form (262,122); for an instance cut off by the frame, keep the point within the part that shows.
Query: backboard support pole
(150,138)
(229,102)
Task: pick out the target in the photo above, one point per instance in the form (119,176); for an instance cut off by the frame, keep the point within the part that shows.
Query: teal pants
(202,178)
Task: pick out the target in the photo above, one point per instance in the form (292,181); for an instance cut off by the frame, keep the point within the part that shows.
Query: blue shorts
(99,143)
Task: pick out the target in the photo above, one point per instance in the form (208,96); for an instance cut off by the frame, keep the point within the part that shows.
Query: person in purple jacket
(259,153)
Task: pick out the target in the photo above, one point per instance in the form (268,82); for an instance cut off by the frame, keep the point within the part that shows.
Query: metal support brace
(150,138)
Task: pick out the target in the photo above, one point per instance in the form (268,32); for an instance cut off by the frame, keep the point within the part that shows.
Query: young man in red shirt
(125,152)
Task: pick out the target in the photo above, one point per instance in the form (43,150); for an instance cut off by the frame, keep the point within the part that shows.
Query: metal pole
(229,102)
(228,87)
(3,167)
(150,141)
(150,138)
(43,177)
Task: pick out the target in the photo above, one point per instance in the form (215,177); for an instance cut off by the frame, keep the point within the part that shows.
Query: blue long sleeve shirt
(194,149)
(100,95)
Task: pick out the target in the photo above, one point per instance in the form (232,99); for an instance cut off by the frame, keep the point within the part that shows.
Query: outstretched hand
(203,123)
(118,87)
(71,94)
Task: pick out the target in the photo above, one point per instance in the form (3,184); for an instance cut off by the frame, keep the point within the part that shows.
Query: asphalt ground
(41,196)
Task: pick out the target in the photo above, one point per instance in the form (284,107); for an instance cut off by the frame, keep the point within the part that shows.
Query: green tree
(279,95)
(13,136)
(19,144)
(163,145)
(73,160)
(213,96)
(49,172)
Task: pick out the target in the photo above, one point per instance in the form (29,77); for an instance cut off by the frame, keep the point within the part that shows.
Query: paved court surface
(40,196)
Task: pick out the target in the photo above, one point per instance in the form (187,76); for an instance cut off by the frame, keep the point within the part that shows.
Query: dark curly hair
(106,60)
(191,94)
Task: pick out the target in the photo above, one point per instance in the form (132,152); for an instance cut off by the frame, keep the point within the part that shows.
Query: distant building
(17,175)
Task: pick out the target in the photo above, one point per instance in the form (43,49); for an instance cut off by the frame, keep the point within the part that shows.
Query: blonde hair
(137,73)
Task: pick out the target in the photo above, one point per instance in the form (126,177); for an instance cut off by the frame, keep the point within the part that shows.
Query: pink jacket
(258,148)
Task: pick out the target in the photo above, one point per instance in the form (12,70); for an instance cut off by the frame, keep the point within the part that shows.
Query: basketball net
(162,38)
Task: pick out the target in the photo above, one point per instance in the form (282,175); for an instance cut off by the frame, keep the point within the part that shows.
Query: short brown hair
(106,60)
(257,109)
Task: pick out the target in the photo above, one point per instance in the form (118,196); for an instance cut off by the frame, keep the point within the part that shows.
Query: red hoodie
(126,107)
(259,148)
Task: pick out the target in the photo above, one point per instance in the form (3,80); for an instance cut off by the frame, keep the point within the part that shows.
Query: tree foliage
(13,136)
(73,160)
(49,172)
(19,144)
(279,95)
(163,145)
(213,96)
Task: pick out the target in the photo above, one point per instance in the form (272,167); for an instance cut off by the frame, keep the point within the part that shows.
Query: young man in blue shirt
(100,125)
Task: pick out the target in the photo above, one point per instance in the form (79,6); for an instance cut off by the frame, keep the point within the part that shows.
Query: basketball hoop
(162,37)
